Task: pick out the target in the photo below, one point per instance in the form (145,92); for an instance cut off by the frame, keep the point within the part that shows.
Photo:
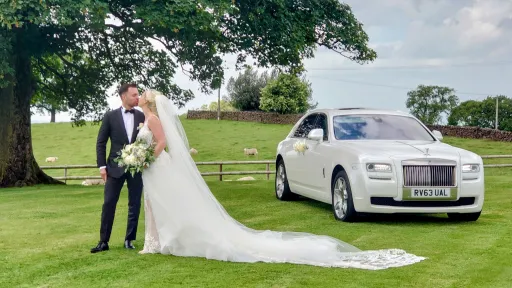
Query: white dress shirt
(128,119)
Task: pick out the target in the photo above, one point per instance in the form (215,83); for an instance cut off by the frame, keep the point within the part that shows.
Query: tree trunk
(52,115)
(18,166)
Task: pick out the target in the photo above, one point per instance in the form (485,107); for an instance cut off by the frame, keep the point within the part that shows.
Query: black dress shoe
(128,244)
(102,246)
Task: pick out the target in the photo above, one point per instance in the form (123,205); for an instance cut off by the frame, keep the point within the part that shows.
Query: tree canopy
(429,103)
(244,91)
(482,113)
(287,94)
(101,43)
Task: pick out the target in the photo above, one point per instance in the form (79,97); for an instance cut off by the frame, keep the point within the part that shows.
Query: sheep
(250,151)
(193,151)
(89,182)
(248,178)
(51,159)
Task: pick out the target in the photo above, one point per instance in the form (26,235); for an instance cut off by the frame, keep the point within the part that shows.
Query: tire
(282,189)
(342,203)
(464,216)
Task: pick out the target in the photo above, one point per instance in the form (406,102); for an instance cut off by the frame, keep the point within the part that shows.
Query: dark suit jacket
(112,127)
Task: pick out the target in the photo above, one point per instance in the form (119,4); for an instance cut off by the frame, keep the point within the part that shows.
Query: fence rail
(220,173)
(221,165)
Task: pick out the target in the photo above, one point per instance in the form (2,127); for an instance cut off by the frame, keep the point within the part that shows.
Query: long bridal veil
(191,222)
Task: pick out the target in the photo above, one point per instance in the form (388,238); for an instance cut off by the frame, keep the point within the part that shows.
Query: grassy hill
(215,141)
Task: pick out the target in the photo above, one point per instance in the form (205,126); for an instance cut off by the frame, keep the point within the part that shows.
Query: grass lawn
(46,231)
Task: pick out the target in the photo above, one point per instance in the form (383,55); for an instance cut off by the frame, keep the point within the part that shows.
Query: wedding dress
(183,218)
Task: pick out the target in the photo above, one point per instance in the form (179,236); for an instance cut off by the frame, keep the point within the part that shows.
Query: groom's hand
(103,173)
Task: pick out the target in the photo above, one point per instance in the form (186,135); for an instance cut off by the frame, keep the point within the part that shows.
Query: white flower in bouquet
(130,160)
(136,157)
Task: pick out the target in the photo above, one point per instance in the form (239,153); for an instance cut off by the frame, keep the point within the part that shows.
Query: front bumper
(378,195)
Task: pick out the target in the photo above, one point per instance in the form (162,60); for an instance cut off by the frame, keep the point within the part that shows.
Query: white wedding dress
(183,218)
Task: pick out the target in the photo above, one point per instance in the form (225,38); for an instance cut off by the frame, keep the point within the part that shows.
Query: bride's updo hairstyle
(150,96)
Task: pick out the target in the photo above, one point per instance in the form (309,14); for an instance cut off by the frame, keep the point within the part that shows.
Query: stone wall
(473,132)
(274,118)
(247,116)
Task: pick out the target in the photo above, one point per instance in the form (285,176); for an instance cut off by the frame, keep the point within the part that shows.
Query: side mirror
(316,135)
(438,135)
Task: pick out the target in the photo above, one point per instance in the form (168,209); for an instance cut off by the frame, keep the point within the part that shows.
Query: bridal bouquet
(136,157)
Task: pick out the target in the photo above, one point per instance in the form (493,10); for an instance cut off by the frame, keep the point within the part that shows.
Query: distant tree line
(431,103)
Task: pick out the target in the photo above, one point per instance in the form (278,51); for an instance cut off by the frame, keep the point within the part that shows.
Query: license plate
(426,193)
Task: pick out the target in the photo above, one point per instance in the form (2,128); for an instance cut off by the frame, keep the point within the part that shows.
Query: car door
(316,159)
(294,161)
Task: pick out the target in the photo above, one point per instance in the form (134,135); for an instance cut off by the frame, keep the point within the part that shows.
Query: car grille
(429,176)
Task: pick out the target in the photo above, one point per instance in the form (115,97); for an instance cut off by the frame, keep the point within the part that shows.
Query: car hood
(402,149)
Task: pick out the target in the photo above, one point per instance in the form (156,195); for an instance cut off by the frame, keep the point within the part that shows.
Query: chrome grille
(429,176)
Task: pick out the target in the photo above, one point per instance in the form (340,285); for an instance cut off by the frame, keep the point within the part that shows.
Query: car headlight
(378,167)
(470,168)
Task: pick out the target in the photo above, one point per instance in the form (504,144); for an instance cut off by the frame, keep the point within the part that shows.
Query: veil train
(191,222)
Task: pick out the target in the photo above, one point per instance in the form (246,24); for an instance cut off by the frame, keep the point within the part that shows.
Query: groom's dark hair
(124,87)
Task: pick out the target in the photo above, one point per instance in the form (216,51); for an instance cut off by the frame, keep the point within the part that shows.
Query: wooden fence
(221,164)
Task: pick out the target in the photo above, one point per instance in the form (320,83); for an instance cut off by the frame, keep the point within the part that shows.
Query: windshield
(379,127)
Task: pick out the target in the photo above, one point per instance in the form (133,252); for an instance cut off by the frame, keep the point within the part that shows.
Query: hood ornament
(426,152)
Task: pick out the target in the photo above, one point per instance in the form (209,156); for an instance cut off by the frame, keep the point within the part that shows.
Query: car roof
(353,111)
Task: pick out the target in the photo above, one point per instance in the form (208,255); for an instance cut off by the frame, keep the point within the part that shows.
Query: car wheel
(464,216)
(342,203)
(283,191)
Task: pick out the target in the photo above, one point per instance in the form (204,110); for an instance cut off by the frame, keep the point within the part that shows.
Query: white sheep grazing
(248,178)
(51,159)
(250,151)
(193,151)
(89,182)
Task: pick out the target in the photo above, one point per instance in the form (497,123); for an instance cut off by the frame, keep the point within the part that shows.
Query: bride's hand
(158,133)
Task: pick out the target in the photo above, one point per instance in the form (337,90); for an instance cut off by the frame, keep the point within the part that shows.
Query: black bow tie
(129,111)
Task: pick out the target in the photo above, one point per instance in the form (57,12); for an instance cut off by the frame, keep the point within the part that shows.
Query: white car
(376,161)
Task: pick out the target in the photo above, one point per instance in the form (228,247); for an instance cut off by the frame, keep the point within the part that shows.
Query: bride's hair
(150,96)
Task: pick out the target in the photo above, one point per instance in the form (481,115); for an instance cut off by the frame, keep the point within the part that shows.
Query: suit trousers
(113,187)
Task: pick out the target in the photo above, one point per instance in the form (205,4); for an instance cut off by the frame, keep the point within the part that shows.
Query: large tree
(244,91)
(287,94)
(192,34)
(429,103)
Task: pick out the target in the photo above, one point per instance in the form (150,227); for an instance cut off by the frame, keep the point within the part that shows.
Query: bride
(183,218)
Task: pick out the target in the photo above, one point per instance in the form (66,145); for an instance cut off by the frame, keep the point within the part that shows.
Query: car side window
(321,123)
(305,127)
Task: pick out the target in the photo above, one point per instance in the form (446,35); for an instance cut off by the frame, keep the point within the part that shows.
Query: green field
(215,141)
(47,231)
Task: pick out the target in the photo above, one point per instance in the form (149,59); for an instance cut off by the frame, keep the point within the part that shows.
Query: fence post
(268,171)
(65,175)
(220,170)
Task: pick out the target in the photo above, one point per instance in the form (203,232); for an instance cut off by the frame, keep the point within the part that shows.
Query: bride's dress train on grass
(183,218)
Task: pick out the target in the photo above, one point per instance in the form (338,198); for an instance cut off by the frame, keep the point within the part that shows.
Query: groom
(120,125)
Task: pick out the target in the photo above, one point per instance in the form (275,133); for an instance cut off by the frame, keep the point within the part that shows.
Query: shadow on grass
(390,219)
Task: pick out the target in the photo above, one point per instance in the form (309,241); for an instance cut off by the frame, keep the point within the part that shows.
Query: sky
(462,44)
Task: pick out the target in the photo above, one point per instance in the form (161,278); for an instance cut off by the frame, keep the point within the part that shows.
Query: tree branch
(51,69)
(69,63)
(334,50)
(109,52)
(45,86)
